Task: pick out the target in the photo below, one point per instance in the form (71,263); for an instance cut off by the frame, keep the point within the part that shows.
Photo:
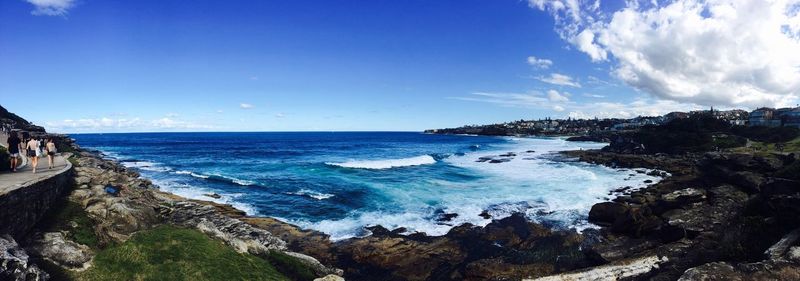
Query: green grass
(764,148)
(290,266)
(170,253)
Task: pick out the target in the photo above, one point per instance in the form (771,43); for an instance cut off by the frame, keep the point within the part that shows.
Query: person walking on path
(51,152)
(14,144)
(33,152)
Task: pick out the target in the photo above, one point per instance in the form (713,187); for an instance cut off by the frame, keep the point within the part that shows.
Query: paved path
(24,176)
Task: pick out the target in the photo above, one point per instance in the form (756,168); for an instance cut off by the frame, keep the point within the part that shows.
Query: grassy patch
(290,266)
(69,217)
(764,148)
(170,253)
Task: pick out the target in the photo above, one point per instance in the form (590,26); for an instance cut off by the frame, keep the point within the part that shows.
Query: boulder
(53,246)
(606,213)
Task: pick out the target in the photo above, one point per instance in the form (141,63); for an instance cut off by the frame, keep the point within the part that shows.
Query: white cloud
(172,115)
(106,124)
(279,115)
(532,99)
(709,52)
(594,96)
(246,106)
(638,107)
(220,111)
(553,95)
(51,7)
(559,79)
(558,102)
(539,62)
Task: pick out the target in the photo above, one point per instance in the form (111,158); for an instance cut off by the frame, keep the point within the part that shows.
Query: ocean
(340,182)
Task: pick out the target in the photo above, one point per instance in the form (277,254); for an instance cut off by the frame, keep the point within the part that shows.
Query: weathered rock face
(134,209)
(506,249)
(22,208)
(14,263)
(55,248)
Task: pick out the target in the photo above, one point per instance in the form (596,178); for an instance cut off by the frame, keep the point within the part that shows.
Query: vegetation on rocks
(170,253)
(69,217)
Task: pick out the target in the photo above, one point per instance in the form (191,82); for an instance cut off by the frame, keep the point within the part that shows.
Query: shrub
(767,134)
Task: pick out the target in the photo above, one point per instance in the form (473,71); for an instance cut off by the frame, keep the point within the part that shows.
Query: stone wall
(22,208)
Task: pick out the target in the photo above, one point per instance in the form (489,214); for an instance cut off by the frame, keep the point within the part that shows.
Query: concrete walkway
(24,176)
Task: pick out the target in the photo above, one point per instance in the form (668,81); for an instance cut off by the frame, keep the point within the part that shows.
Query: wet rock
(445,217)
(509,154)
(57,249)
(485,215)
(213,195)
(15,264)
(606,213)
(484,159)
(499,160)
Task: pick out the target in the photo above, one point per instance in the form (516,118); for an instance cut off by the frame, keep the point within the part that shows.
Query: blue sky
(168,65)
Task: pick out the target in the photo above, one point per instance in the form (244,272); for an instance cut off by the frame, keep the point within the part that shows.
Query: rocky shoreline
(716,213)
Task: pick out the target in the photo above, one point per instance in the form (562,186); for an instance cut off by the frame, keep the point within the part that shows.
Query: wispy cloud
(106,124)
(539,62)
(51,7)
(555,96)
(246,106)
(279,115)
(559,79)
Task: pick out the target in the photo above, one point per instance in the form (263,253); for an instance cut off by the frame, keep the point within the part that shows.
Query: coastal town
(765,116)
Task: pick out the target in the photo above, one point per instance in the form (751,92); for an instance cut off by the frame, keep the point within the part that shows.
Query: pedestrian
(33,151)
(51,152)
(14,144)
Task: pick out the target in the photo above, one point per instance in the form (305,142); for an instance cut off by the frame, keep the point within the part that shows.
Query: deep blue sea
(340,182)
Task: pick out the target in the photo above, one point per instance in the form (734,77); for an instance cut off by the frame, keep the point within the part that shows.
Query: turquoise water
(338,183)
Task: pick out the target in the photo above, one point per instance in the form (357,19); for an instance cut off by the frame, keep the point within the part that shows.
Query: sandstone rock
(615,271)
(712,272)
(15,264)
(55,248)
(794,254)
(330,277)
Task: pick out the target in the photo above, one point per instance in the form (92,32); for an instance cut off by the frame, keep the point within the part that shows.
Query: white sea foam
(387,163)
(532,183)
(199,193)
(196,175)
(146,165)
(312,194)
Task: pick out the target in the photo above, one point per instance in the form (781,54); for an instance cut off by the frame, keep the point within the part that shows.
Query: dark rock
(485,215)
(500,160)
(213,195)
(509,154)
(15,263)
(445,217)
(606,213)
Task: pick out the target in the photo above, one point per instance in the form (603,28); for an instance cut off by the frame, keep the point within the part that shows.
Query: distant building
(791,118)
(770,117)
